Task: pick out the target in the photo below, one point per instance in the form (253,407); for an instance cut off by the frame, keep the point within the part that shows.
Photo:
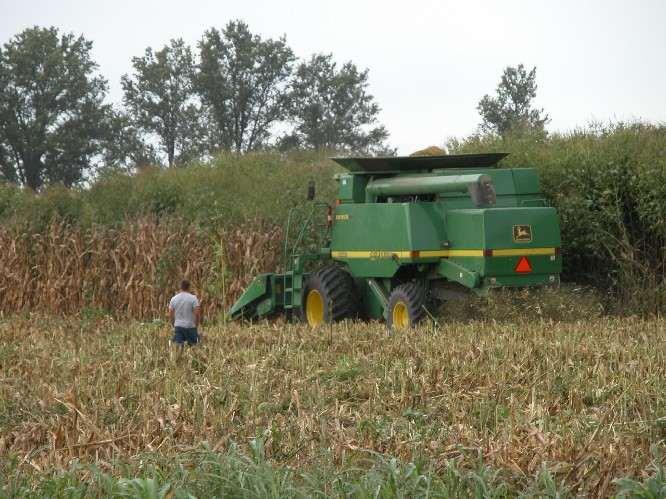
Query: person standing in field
(185,315)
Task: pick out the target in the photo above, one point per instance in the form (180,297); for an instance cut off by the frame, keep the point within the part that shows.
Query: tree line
(234,91)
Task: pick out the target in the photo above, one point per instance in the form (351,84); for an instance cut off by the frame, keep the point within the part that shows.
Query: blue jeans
(188,335)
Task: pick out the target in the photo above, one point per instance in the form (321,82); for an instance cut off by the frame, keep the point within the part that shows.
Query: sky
(430,61)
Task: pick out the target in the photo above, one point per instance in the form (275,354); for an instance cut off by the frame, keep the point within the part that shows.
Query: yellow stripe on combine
(371,254)
(444,253)
(523,252)
(451,252)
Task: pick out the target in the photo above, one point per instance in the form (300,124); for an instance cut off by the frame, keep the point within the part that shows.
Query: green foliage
(160,97)
(242,81)
(510,111)
(126,148)
(332,109)
(56,202)
(242,91)
(652,486)
(203,473)
(10,198)
(52,118)
(229,191)
(143,488)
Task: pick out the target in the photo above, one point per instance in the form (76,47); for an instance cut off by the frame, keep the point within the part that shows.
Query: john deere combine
(406,232)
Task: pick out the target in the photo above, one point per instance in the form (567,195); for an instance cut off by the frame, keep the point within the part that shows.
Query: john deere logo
(522,233)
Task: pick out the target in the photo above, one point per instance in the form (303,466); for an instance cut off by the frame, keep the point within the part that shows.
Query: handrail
(286,239)
(305,226)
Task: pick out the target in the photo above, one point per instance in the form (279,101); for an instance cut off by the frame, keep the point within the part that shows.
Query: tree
(126,148)
(161,98)
(243,84)
(511,109)
(7,168)
(52,115)
(332,109)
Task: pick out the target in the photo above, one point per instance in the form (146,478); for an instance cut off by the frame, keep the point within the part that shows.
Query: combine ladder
(295,275)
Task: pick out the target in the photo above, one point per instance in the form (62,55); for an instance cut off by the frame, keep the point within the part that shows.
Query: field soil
(582,401)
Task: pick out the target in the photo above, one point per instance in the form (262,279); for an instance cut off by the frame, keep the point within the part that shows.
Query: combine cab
(406,232)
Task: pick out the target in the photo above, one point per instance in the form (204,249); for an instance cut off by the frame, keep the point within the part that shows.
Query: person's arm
(197,316)
(197,312)
(172,313)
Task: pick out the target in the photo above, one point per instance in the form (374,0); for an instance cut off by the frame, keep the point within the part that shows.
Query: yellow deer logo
(522,233)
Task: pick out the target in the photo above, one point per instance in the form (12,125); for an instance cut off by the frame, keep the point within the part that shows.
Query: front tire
(406,306)
(329,296)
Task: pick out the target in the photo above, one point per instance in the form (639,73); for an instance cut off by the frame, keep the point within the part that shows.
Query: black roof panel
(419,163)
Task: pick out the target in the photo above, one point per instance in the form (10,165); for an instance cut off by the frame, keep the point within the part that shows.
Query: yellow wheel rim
(400,315)
(314,308)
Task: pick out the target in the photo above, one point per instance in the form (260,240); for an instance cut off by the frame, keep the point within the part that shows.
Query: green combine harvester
(406,233)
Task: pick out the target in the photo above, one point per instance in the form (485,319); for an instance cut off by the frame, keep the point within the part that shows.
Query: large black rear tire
(329,296)
(406,306)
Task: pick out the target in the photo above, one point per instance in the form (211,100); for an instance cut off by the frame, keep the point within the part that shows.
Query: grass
(91,406)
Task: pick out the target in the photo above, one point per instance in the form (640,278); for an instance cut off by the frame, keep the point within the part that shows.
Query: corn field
(535,408)
(132,270)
